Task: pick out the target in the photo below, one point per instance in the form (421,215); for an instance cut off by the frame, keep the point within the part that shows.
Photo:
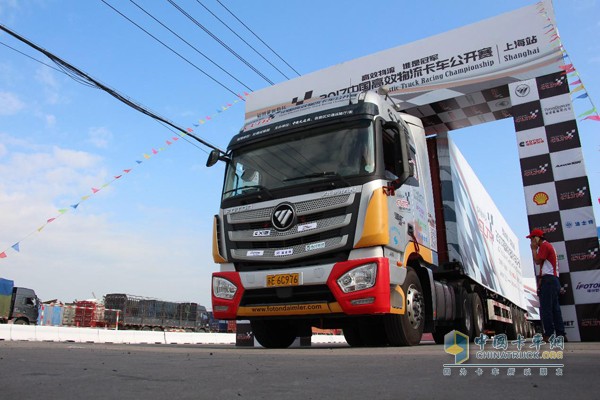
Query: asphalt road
(49,370)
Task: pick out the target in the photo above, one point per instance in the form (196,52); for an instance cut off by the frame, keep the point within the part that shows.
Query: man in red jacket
(544,255)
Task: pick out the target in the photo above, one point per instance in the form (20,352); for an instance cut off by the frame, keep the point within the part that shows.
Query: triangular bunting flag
(63,210)
(168,143)
(577,82)
(95,190)
(118,176)
(577,89)
(154,151)
(105,185)
(146,156)
(16,247)
(127,171)
(40,228)
(138,161)
(201,121)
(51,219)
(190,130)
(3,255)
(582,96)
(175,138)
(85,197)
(588,112)
(74,206)
(207,117)
(593,117)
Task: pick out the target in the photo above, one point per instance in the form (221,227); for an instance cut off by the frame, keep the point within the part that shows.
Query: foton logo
(576,194)
(569,135)
(532,115)
(542,169)
(540,198)
(585,256)
(531,142)
(593,287)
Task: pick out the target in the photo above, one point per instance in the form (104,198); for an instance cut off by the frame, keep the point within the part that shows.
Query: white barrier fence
(94,335)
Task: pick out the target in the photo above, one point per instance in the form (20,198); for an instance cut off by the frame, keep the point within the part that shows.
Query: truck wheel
(477,314)
(21,321)
(352,336)
(465,323)
(440,332)
(406,329)
(273,334)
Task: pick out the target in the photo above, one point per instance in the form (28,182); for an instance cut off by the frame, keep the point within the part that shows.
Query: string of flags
(579,91)
(94,190)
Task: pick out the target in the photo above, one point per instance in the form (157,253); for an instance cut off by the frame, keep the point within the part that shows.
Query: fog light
(367,300)
(359,278)
(223,289)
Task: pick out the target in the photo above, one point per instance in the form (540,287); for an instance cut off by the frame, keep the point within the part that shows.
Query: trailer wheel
(274,334)
(465,323)
(477,314)
(406,329)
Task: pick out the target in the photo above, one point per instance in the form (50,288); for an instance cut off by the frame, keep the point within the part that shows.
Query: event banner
(507,48)
(557,194)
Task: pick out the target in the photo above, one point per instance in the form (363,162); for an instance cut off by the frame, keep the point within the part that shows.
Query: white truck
(338,212)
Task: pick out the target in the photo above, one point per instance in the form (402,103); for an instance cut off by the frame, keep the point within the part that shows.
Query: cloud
(10,103)
(99,137)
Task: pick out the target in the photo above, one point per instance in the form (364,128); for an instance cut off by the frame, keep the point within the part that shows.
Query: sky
(149,232)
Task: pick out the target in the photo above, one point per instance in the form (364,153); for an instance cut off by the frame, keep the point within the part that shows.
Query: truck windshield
(339,152)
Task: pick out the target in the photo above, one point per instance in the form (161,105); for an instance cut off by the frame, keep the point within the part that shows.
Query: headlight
(359,278)
(223,289)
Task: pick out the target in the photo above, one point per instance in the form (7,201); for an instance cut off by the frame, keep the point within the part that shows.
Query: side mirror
(213,158)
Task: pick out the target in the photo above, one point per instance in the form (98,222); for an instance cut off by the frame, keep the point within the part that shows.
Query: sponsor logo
(531,142)
(283,216)
(255,253)
(530,116)
(593,287)
(567,164)
(307,227)
(590,322)
(574,194)
(542,169)
(522,90)
(553,84)
(557,109)
(549,228)
(585,256)
(540,198)
(568,135)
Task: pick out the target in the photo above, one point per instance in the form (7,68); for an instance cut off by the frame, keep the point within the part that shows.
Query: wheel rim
(414,306)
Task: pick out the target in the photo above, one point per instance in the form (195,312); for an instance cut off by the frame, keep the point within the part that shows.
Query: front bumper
(317,293)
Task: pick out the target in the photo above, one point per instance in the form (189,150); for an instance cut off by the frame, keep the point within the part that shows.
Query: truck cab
(327,220)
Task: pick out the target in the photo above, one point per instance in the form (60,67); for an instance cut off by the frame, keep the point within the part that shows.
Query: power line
(263,42)
(34,59)
(191,45)
(181,10)
(242,39)
(175,52)
(81,76)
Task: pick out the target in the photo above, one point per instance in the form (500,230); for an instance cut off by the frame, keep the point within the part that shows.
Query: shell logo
(540,198)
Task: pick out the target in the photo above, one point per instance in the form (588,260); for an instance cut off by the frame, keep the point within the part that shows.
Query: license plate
(283,280)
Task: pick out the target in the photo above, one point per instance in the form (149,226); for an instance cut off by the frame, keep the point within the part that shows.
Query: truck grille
(323,226)
(300,294)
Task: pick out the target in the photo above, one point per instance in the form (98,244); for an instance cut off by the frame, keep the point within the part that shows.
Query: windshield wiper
(259,188)
(324,174)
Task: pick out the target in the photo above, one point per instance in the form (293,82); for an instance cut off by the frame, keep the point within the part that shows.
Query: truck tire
(352,336)
(440,333)
(21,321)
(464,324)
(406,329)
(274,334)
(477,314)
(512,328)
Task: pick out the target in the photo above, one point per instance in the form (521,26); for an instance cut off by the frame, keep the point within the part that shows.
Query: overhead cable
(175,52)
(84,77)
(191,45)
(181,10)
(242,39)
(263,42)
